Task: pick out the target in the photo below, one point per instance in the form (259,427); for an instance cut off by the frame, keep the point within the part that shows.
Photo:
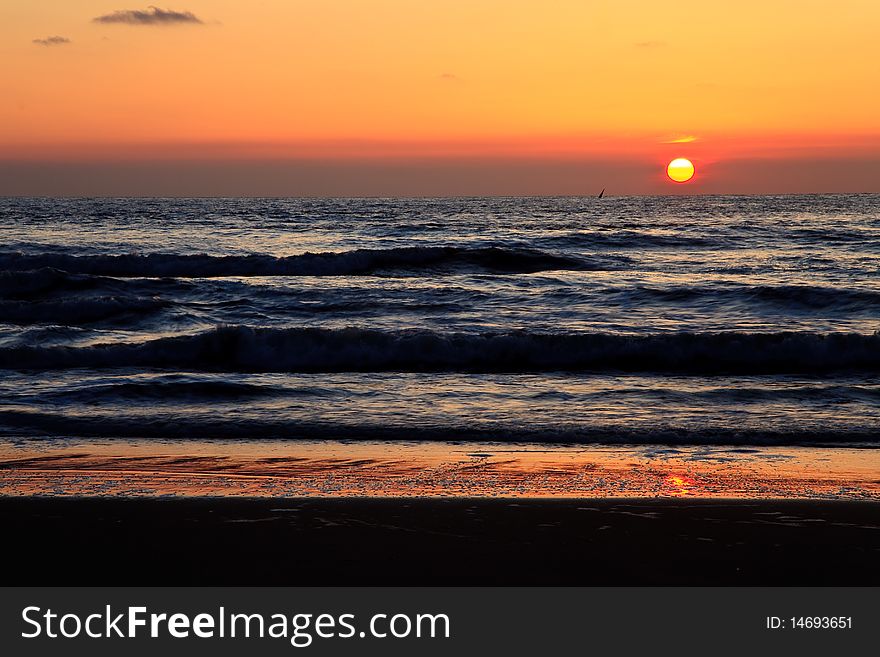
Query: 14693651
(809,623)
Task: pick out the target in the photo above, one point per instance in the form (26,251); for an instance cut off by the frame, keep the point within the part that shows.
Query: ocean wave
(807,297)
(46,282)
(172,426)
(177,391)
(246,349)
(28,284)
(76,312)
(360,262)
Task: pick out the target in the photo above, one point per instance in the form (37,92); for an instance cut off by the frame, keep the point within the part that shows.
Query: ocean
(716,321)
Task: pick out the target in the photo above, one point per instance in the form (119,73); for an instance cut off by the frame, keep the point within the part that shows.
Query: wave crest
(245,349)
(361,262)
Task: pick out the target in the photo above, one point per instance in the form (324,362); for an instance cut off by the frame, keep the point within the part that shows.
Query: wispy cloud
(149,16)
(683,139)
(52,41)
(448,76)
(650,44)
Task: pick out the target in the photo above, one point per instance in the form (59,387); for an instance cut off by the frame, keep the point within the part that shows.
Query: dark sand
(235,541)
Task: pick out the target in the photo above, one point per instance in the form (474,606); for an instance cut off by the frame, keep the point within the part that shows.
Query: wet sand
(418,541)
(293,469)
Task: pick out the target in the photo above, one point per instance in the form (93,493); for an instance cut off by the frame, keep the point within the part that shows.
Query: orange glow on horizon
(346,81)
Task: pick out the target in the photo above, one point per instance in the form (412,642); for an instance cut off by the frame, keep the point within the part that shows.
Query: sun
(680,170)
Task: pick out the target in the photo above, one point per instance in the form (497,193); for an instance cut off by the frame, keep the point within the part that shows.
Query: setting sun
(680,170)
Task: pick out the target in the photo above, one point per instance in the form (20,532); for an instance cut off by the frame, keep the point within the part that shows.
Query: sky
(459,97)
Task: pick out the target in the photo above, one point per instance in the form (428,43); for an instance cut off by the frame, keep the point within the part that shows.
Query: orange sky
(455,97)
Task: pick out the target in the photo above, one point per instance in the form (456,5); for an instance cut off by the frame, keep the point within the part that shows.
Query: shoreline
(289,469)
(420,541)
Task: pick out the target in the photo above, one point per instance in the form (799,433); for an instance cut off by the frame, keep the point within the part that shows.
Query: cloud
(683,139)
(149,16)
(52,41)
(651,44)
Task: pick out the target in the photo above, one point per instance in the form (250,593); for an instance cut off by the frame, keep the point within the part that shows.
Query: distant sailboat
(602,193)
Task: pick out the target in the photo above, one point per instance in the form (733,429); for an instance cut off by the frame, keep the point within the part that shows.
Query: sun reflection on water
(681,484)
